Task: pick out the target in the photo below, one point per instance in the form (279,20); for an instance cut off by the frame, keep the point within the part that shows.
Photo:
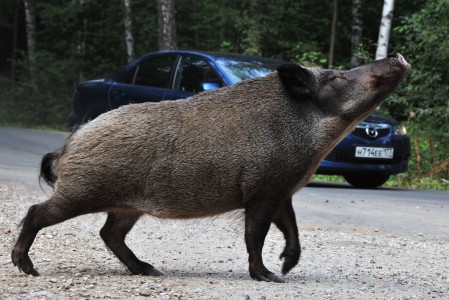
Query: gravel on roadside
(207,259)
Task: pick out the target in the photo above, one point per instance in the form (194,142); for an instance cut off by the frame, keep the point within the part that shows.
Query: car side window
(129,76)
(155,71)
(193,72)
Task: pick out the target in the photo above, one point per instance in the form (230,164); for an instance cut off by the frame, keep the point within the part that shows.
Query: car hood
(380,118)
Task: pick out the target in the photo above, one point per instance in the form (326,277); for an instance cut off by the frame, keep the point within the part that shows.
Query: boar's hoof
(152,272)
(146,270)
(23,262)
(290,260)
(269,277)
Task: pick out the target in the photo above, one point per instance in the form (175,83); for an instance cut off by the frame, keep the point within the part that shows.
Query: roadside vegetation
(79,40)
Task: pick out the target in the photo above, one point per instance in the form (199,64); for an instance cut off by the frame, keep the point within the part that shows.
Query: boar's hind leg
(285,220)
(113,233)
(39,216)
(258,218)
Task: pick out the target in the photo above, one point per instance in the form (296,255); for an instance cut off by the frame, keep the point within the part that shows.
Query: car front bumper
(342,160)
(341,168)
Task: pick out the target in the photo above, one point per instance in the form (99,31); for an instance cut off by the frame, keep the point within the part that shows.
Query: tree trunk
(384,30)
(166,24)
(251,40)
(129,39)
(80,47)
(14,46)
(356,38)
(30,19)
(333,32)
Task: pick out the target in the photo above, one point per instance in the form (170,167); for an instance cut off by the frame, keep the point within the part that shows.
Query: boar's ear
(295,79)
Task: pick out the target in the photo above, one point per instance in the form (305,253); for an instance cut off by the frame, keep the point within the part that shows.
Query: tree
(356,37)
(333,33)
(80,48)
(14,46)
(166,24)
(129,39)
(384,30)
(30,19)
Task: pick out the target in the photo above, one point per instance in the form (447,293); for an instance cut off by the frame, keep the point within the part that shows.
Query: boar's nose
(402,61)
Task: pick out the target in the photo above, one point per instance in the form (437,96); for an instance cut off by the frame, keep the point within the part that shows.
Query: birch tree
(30,20)
(166,24)
(129,39)
(384,30)
(356,37)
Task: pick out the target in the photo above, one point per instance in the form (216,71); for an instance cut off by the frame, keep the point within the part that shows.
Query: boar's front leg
(285,220)
(258,218)
(113,233)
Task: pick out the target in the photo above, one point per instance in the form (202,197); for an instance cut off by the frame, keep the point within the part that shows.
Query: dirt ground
(206,259)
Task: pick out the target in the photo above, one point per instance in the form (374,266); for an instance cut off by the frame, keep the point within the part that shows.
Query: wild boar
(249,146)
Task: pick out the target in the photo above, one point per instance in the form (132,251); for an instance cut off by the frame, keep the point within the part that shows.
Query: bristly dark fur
(247,146)
(46,173)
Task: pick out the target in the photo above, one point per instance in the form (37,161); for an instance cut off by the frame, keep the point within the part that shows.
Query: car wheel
(369,181)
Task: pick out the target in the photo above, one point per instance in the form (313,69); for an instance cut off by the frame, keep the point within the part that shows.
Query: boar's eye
(335,78)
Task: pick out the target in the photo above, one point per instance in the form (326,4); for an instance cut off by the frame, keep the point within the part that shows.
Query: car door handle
(118,93)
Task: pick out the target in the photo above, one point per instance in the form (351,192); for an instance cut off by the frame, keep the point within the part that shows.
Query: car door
(148,81)
(195,74)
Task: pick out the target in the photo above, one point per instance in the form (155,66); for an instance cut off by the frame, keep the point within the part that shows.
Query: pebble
(145,293)
(42,293)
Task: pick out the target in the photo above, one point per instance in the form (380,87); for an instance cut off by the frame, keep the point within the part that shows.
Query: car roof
(217,55)
(211,56)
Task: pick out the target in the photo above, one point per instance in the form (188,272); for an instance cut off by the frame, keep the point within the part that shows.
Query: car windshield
(238,70)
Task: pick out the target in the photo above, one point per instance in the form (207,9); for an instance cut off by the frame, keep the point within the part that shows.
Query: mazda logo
(371,131)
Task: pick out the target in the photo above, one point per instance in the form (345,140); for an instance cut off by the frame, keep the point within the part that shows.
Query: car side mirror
(209,86)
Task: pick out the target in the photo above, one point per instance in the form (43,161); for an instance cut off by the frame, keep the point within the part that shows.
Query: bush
(44,99)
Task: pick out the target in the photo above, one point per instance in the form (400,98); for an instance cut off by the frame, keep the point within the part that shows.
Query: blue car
(377,148)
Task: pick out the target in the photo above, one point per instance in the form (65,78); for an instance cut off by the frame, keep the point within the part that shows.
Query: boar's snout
(386,74)
(392,65)
(401,60)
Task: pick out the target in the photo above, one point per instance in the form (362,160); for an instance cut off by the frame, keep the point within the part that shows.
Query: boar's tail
(47,172)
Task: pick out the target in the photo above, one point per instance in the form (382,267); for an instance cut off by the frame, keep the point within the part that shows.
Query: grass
(423,183)
(36,127)
(401,181)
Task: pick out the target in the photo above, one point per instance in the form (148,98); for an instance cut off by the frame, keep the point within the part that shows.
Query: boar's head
(350,95)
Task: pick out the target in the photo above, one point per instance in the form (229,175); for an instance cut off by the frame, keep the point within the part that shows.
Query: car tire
(367,181)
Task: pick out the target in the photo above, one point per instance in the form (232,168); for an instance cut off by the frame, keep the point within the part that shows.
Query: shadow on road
(340,185)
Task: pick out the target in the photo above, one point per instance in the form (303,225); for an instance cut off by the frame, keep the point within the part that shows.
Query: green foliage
(422,99)
(308,55)
(424,183)
(363,53)
(45,98)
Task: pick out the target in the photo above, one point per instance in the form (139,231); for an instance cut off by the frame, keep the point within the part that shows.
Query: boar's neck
(289,136)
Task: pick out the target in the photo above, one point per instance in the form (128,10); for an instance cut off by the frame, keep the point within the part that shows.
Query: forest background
(48,47)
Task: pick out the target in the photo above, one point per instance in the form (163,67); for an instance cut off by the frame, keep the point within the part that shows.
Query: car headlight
(400,130)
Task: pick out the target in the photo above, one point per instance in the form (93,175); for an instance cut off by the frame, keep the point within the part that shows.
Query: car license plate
(374,152)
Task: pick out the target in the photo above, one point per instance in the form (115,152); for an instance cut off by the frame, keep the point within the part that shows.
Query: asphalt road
(385,209)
